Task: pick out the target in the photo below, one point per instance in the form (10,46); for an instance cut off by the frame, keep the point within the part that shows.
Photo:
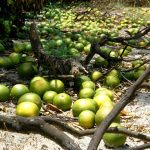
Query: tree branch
(20,123)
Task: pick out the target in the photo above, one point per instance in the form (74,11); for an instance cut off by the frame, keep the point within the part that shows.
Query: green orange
(114,140)
(96,75)
(31,97)
(57,85)
(39,86)
(62,101)
(88,84)
(4,93)
(26,70)
(103,100)
(49,96)
(18,90)
(86,93)
(83,104)
(102,113)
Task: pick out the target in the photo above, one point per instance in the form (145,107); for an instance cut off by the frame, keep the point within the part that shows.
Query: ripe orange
(86,93)
(27,109)
(31,97)
(114,140)
(56,85)
(83,104)
(4,93)
(39,87)
(18,90)
(49,96)
(103,112)
(87,119)
(62,101)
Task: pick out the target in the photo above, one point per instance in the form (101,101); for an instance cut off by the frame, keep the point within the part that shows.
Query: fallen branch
(126,99)
(49,124)
(95,46)
(21,123)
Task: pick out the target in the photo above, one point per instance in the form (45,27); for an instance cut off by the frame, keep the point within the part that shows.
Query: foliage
(12,14)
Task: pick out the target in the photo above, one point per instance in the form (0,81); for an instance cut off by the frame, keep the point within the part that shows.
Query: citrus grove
(67,32)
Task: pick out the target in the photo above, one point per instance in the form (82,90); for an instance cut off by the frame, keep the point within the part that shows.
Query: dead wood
(57,65)
(53,126)
(126,99)
(21,123)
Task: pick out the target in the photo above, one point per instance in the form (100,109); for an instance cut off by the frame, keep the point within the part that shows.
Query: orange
(83,104)
(4,93)
(138,73)
(18,90)
(114,72)
(5,62)
(27,109)
(56,85)
(79,46)
(136,63)
(31,97)
(88,84)
(86,93)
(80,79)
(62,101)
(15,58)
(112,81)
(27,46)
(114,140)
(2,48)
(104,91)
(26,70)
(39,86)
(49,96)
(96,75)
(87,119)
(103,100)
(100,61)
(18,46)
(102,113)
(36,78)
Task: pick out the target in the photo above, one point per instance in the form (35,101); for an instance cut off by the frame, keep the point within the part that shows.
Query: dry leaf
(53,108)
